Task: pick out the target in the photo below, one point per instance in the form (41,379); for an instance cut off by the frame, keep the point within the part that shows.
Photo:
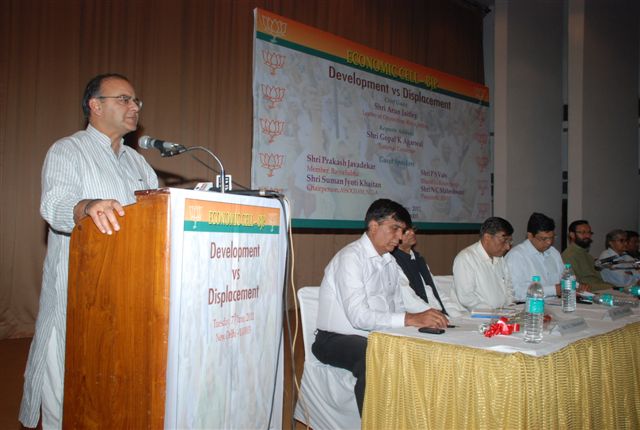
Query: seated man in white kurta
(480,274)
(620,272)
(536,256)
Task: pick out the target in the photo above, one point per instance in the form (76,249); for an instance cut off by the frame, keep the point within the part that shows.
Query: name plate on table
(617,312)
(571,326)
(495,313)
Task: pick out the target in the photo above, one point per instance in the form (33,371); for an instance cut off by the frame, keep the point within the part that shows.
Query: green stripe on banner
(327,223)
(320,54)
(359,225)
(204,227)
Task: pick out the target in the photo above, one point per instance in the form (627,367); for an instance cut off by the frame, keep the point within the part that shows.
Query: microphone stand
(222,175)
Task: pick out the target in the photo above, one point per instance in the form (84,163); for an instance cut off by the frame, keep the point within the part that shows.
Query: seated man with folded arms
(536,256)
(361,292)
(616,253)
(415,271)
(577,254)
(480,274)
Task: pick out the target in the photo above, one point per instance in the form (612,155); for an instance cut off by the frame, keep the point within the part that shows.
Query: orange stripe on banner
(292,31)
(208,211)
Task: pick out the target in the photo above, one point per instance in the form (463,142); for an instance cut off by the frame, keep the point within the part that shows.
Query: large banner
(338,125)
(225,348)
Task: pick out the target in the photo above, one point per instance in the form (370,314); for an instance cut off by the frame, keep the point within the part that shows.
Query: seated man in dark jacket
(417,272)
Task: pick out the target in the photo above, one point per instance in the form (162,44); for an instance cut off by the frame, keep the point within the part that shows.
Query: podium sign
(227,277)
(176,320)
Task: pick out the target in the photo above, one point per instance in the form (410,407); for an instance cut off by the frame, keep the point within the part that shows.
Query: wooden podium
(146,339)
(118,320)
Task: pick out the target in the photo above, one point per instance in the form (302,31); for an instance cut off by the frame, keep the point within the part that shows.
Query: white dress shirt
(361,292)
(480,281)
(525,261)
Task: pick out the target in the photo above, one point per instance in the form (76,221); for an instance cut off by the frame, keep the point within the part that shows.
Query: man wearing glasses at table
(536,256)
(480,274)
(622,273)
(90,173)
(577,254)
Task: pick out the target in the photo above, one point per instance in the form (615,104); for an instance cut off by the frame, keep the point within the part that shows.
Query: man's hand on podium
(102,212)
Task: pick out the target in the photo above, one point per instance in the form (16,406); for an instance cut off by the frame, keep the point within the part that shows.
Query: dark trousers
(347,352)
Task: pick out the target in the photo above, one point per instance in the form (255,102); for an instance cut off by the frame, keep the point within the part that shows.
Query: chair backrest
(308,299)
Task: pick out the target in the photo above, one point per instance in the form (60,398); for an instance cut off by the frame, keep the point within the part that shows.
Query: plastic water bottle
(568,289)
(611,300)
(534,312)
(634,290)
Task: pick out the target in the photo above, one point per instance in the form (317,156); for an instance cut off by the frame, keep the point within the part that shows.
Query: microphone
(167,149)
(262,192)
(607,260)
(606,263)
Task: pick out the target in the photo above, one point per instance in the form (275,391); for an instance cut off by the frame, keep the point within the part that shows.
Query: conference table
(585,377)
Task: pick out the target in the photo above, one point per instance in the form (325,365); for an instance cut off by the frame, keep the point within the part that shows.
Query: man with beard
(577,254)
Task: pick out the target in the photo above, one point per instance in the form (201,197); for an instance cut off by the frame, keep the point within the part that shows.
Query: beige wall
(601,54)
(603,116)
(527,109)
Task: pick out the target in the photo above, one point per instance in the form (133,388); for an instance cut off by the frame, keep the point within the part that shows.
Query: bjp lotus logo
(271,161)
(483,187)
(483,210)
(274,27)
(273,94)
(482,161)
(271,127)
(273,60)
(195,214)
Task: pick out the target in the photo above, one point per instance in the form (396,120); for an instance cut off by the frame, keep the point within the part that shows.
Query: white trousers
(53,386)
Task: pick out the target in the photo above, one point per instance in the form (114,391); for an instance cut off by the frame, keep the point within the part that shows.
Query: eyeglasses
(585,232)
(548,239)
(505,240)
(124,100)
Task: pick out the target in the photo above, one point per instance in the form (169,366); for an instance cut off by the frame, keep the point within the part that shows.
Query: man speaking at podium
(90,173)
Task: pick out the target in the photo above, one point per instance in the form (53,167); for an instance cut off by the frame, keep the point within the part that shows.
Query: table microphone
(167,149)
(604,263)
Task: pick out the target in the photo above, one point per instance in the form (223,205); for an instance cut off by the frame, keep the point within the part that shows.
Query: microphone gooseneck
(169,149)
(222,174)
